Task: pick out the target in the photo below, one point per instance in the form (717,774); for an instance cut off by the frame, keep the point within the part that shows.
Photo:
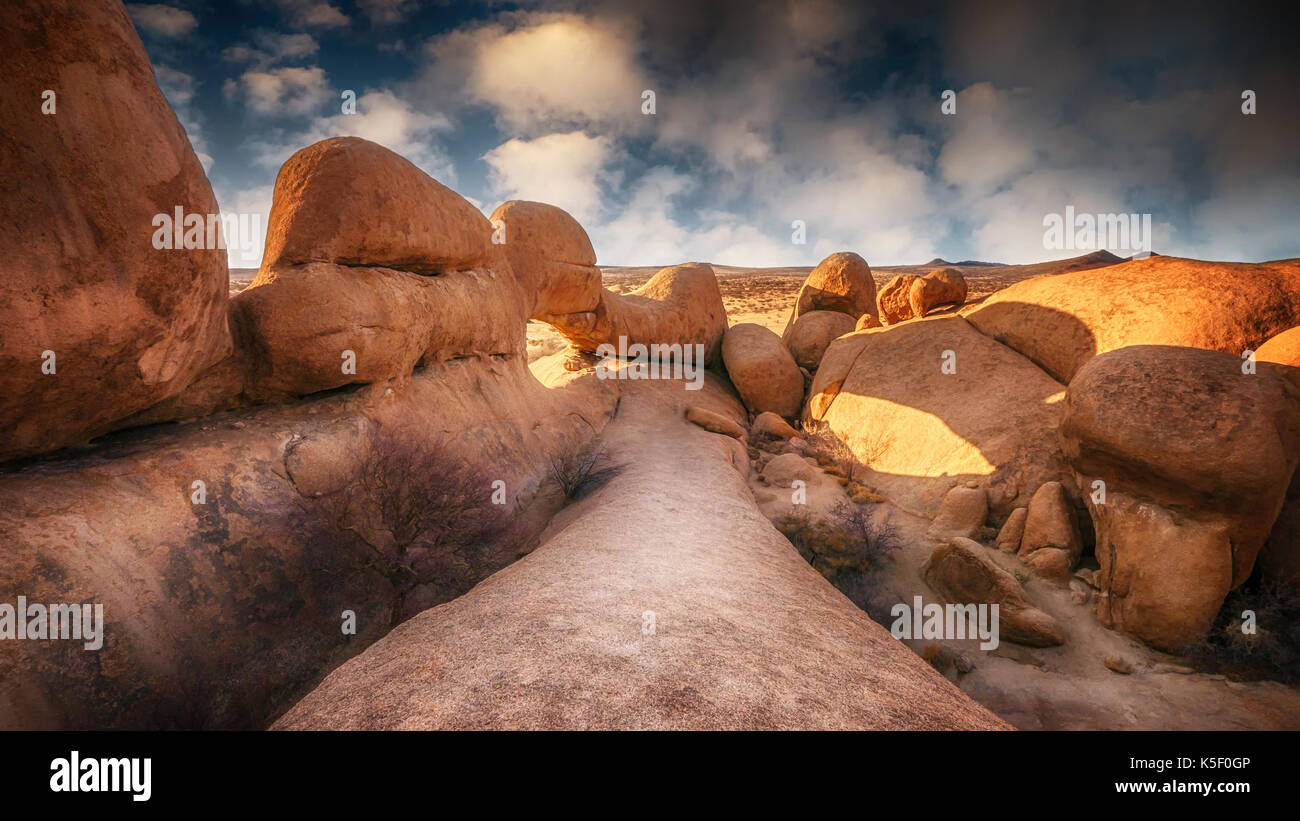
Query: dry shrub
(423,515)
(838,459)
(582,472)
(850,548)
(1272,652)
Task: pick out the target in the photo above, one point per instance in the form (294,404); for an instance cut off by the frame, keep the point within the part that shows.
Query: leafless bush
(583,471)
(872,537)
(422,514)
(1271,652)
(850,548)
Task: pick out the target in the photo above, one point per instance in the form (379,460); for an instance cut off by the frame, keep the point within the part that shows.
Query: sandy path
(746,634)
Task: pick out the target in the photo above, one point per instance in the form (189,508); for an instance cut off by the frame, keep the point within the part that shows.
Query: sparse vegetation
(1271,652)
(581,472)
(838,459)
(422,514)
(1022,577)
(849,548)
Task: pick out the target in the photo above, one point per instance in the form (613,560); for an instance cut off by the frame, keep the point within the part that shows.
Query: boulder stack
(1184,461)
(842,282)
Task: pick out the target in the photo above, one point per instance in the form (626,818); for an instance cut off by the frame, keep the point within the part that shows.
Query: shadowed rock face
(129,325)
(221,614)
(1196,457)
(1062,321)
(646,611)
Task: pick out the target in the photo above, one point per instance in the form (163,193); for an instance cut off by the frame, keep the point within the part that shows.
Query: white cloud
(165,21)
(550,72)
(288,90)
(252,208)
(647,232)
(313,14)
(272,48)
(1249,219)
(381,117)
(993,138)
(566,170)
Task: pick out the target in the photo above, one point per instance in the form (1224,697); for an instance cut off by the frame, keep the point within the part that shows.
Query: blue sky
(769,112)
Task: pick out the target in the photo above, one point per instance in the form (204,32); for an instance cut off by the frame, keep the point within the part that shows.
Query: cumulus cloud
(313,14)
(654,229)
(752,140)
(770,111)
(381,117)
(283,91)
(270,48)
(540,73)
(162,20)
(567,170)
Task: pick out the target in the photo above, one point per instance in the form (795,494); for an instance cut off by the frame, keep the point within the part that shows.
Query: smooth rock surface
(647,611)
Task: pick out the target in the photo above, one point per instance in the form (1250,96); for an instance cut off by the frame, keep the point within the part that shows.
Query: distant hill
(940,262)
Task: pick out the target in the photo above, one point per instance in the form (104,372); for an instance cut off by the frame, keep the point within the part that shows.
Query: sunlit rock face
(929,403)
(1064,320)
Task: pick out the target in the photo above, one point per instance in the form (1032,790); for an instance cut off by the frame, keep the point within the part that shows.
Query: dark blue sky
(768,113)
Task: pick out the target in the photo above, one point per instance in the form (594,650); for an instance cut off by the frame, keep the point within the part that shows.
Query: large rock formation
(889,395)
(1062,321)
(1196,457)
(97,321)
(223,599)
(762,369)
(220,612)
(698,616)
(842,282)
(680,305)
(371,266)
(223,586)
